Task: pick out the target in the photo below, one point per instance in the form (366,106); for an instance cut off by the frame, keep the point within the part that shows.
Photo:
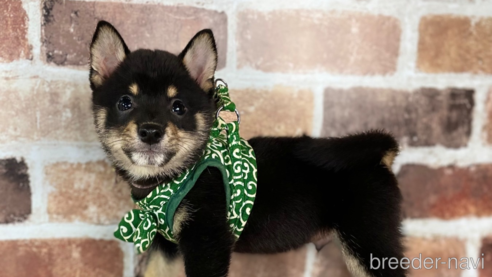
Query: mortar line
(318,111)
(472,248)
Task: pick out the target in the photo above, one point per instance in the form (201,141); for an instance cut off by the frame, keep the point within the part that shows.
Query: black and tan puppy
(153,112)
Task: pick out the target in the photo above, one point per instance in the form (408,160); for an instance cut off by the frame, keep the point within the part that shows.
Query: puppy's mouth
(147,156)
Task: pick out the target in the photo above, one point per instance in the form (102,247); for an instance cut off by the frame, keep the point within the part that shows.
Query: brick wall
(420,69)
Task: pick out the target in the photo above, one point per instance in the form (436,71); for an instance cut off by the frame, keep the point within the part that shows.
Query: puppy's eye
(125,103)
(178,107)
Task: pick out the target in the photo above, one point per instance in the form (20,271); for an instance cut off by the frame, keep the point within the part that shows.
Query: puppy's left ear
(200,58)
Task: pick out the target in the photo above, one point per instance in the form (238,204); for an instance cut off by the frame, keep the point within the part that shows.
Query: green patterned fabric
(225,150)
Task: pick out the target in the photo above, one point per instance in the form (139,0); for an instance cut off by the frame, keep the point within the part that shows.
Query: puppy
(153,113)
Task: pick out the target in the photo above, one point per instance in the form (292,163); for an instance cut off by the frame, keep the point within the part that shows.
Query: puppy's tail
(363,149)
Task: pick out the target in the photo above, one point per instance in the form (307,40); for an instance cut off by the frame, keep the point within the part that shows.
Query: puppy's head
(153,110)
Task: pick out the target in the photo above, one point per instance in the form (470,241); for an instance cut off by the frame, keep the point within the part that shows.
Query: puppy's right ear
(108,50)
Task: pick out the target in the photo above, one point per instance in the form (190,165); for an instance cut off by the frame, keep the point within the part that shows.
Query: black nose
(150,133)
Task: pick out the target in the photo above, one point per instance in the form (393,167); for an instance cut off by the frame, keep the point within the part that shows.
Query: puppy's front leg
(205,239)
(206,242)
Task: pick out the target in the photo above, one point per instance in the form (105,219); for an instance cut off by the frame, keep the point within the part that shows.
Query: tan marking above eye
(172,91)
(134,88)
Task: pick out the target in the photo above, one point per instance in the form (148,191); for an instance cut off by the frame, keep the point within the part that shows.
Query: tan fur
(174,139)
(172,91)
(134,89)
(97,79)
(181,216)
(207,85)
(130,130)
(101,115)
(388,158)
(200,121)
(116,140)
(172,131)
(353,265)
(183,142)
(159,266)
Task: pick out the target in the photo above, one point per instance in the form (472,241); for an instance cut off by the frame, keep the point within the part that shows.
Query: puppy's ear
(108,50)
(200,58)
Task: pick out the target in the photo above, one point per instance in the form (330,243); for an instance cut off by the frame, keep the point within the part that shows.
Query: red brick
(450,1)
(446,192)
(486,253)
(15,191)
(449,43)
(14,44)
(46,110)
(329,262)
(61,257)
(310,41)
(280,111)
(68,27)
(86,192)
(444,248)
(289,264)
(422,117)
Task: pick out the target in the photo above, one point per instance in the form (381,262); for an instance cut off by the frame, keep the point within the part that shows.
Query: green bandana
(225,150)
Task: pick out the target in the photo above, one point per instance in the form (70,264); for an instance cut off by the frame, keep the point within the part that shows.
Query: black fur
(307,188)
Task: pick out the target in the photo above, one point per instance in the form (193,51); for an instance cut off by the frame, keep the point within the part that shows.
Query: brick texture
(86,192)
(450,1)
(68,27)
(308,41)
(15,191)
(424,117)
(486,268)
(447,192)
(61,257)
(289,264)
(329,262)
(13,37)
(443,248)
(46,110)
(279,111)
(450,43)
(488,126)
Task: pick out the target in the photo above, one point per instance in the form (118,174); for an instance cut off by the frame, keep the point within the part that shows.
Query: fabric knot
(139,227)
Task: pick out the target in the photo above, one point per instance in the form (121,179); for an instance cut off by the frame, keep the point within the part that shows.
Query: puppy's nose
(150,133)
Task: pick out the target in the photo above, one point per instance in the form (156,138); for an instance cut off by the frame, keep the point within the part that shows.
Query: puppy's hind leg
(368,227)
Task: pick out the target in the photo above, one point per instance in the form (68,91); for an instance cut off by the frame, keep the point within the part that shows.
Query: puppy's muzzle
(150,133)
